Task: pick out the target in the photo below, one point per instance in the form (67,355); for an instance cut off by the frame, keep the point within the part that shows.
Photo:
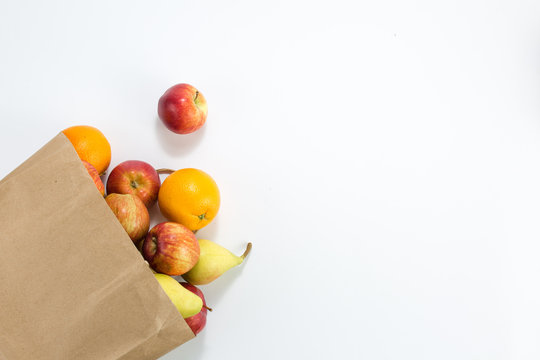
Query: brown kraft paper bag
(72,284)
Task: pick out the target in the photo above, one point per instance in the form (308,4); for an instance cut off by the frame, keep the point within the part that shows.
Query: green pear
(187,303)
(214,260)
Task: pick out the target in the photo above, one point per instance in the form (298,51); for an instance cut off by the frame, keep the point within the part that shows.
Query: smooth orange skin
(91,146)
(95,176)
(189,197)
(183,109)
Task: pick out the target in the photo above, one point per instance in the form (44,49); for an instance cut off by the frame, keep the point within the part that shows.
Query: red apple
(182,108)
(197,321)
(137,178)
(171,248)
(95,176)
(131,213)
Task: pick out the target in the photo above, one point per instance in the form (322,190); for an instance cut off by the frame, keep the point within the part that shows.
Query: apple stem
(248,249)
(207,308)
(164,171)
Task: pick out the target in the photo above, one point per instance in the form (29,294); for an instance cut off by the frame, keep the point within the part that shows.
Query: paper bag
(72,284)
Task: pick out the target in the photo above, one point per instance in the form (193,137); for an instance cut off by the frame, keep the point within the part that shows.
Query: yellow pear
(214,260)
(187,303)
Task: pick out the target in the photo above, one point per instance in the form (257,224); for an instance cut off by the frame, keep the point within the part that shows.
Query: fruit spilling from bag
(188,198)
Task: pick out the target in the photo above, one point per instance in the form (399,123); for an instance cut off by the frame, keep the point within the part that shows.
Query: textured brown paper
(72,285)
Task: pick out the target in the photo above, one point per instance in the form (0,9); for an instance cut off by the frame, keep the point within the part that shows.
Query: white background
(383,157)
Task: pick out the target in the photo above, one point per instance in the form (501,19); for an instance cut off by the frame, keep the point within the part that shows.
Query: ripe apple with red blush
(95,176)
(183,109)
(131,213)
(137,178)
(171,248)
(197,321)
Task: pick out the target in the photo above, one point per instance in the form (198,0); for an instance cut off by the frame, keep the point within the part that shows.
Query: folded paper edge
(173,331)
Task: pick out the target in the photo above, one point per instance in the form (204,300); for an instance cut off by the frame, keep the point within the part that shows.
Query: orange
(91,145)
(189,197)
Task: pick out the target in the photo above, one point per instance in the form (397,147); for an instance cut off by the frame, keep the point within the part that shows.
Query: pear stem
(207,308)
(248,249)
(164,171)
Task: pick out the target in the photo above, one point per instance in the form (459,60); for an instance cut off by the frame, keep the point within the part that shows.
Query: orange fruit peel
(91,146)
(189,197)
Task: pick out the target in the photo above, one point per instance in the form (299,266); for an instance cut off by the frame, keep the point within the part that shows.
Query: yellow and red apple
(95,176)
(131,213)
(171,248)
(137,178)
(197,321)
(183,109)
